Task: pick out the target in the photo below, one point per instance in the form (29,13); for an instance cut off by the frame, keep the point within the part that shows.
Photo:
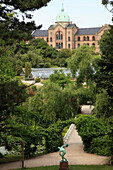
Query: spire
(62,7)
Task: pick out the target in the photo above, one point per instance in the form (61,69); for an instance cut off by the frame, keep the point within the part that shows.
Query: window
(93,44)
(78,38)
(68,38)
(57,45)
(47,39)
(88,44)
(56,37)
(84,38)
(50,39)
(78,45)
(61,37)
(68,45)
(87,38)
(93,38)
(61,45)
(51,45)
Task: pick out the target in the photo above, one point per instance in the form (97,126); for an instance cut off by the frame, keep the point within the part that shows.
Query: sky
(83,13)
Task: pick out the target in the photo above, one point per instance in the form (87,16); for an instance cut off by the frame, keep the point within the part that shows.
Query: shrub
(101,145)
(33,88)
(89,127)
(37,80)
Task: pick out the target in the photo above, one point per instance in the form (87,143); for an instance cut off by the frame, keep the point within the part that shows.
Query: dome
(62,16)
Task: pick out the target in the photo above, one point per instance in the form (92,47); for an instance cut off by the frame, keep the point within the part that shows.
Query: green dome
(62,16)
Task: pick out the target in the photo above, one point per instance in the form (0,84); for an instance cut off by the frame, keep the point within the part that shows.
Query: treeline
(38,53)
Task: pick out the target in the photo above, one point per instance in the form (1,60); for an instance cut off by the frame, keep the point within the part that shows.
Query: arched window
(88,44)
(78,45)
(47,39)
(50,39)
(84,38)
(68,45)
(93,38)
(51,45)
(68,38)
(56,37)
(87,38)
(78,38)
(59,35)
(93,44)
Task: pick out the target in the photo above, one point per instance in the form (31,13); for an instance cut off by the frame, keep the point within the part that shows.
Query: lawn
(75,167)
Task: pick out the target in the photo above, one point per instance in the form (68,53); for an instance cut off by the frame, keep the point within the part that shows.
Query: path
(75,156)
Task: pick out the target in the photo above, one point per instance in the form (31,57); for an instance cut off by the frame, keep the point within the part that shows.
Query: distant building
(44,73)
(65,34)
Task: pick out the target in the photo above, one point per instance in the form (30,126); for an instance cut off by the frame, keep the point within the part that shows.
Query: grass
(75,167)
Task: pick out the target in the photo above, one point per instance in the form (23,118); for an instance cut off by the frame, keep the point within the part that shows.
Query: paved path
(75,156)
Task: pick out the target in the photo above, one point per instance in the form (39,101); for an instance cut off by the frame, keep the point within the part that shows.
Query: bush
(33,88)
(37,80)
(101,145)
(89,127)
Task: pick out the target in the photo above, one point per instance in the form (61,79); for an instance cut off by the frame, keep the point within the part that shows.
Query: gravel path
(75,156)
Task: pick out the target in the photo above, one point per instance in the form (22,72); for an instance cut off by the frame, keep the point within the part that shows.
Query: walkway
(75,156)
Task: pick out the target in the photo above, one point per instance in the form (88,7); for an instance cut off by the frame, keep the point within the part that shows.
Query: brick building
(65,34)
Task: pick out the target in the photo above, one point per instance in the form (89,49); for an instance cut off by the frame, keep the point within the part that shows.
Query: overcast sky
(84,13)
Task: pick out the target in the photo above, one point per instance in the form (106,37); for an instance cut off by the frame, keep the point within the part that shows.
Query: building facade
(65,34)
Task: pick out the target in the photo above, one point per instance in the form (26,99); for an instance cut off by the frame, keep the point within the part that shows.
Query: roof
(46,72)
(70,26)
(40,33)
(51,27)
(88,31)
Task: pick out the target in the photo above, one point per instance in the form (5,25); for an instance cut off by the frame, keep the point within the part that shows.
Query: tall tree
(27,69)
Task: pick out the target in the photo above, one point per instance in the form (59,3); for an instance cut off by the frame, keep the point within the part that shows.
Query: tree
(104,75)
(19,67)
(104,83)
(62,57)
(27,69)
(60,78)
(51,103)
(13,92)
(12,29)
(109,5)
(82,64)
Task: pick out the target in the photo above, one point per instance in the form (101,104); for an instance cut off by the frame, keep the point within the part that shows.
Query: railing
(68,133)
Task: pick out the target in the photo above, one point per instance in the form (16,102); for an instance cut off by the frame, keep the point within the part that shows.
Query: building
(65,34)
(44,73)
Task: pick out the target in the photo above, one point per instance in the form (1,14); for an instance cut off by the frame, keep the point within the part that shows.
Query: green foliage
(60,78)
(104,75)
(53,103)
(54,137)
(62,57)
(37,80)
(102,105)
(82,64)
(101,145)
(89,127)
(27,69)
(18,67)
(12,29)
